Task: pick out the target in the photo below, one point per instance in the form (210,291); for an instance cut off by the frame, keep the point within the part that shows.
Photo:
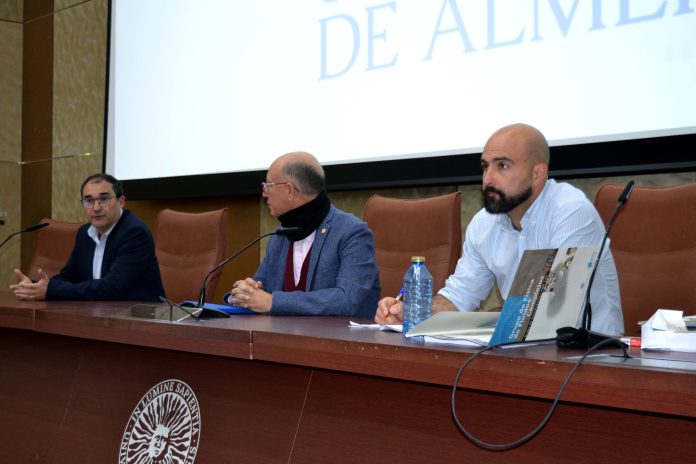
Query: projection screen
(208,92)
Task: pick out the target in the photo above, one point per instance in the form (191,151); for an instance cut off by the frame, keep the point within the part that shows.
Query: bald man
(523,209)
(328,268)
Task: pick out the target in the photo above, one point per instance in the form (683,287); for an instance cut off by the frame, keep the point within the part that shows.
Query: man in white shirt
(523,209)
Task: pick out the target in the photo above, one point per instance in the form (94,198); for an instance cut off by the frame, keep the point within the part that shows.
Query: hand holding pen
(384,309)
(399,296)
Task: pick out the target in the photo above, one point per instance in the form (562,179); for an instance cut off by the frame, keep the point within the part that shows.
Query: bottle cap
(417,259)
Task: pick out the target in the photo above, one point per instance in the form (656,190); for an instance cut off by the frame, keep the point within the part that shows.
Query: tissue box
(666,330)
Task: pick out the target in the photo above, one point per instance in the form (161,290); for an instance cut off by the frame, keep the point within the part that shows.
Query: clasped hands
(25,289)
(249,293)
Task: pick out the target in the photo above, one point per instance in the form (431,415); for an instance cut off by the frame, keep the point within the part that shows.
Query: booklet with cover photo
(547,293)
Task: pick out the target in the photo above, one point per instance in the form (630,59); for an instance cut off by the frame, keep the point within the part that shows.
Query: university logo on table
(164,427)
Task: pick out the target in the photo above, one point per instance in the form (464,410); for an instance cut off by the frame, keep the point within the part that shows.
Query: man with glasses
(113,258)
(328,267)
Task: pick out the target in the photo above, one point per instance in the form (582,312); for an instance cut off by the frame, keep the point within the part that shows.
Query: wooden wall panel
(10,135)
(79,87)
(37,113)
(34,9)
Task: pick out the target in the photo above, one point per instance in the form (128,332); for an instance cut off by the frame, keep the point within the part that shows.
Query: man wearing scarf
(328,267)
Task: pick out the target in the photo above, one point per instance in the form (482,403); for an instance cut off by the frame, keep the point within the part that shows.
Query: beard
(504,203)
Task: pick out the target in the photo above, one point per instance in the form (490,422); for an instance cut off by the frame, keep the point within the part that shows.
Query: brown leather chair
(429,227)
(188,246)
(653,241)
(53,247)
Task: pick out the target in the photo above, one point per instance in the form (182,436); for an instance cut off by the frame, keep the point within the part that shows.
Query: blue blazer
(129,268)
(342,278)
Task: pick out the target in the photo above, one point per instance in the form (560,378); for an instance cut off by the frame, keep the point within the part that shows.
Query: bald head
(515,163)
(528,139)
(304,170)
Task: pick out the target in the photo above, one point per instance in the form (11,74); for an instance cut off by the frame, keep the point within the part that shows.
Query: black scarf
(307,216)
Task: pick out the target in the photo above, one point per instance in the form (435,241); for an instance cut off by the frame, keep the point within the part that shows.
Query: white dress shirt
(100,247)
(560,217)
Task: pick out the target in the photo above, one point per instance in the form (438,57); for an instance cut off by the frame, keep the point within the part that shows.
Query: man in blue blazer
(113,258)
(328,267)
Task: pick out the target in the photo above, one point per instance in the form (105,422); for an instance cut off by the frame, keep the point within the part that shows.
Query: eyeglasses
(266,185)
(103,200)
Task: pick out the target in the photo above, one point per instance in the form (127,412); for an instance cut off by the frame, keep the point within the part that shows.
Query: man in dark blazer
(328,268)
(113,258)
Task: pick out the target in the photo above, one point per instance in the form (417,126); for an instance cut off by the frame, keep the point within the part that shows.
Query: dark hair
(310,180)
(118,188)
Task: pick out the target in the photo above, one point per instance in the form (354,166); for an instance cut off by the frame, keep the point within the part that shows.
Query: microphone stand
(583,337)
(212,312)
(173,305)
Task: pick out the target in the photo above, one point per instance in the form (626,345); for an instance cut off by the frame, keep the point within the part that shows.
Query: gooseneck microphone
(583,337)
(282,231)
(28,229)
(35,227)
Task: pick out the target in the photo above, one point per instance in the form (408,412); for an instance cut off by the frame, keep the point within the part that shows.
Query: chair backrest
(653,241)
(428,227)
(53,247)
(187,246)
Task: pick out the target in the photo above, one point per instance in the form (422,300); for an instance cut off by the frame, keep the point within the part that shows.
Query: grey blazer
(342,279)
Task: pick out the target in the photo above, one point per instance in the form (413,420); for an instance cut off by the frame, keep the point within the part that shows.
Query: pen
(398,298)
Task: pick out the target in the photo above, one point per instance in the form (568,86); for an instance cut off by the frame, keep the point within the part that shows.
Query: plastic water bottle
(418,294)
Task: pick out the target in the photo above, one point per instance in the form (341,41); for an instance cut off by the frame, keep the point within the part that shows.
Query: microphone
(623,198)
(583,337)
(35,227)
(211,312)
(28,229)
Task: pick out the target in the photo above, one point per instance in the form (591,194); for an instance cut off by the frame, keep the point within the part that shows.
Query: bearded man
(523,209)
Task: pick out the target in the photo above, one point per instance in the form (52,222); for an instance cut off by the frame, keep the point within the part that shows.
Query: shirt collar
(531,214)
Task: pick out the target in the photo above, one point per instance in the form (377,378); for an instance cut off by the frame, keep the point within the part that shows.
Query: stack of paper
(462,328)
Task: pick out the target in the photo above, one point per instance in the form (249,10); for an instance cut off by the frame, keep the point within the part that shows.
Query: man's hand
(25,289)
(248,293)
(389,311)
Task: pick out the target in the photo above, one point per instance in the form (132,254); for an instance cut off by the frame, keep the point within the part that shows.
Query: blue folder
(229,309)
